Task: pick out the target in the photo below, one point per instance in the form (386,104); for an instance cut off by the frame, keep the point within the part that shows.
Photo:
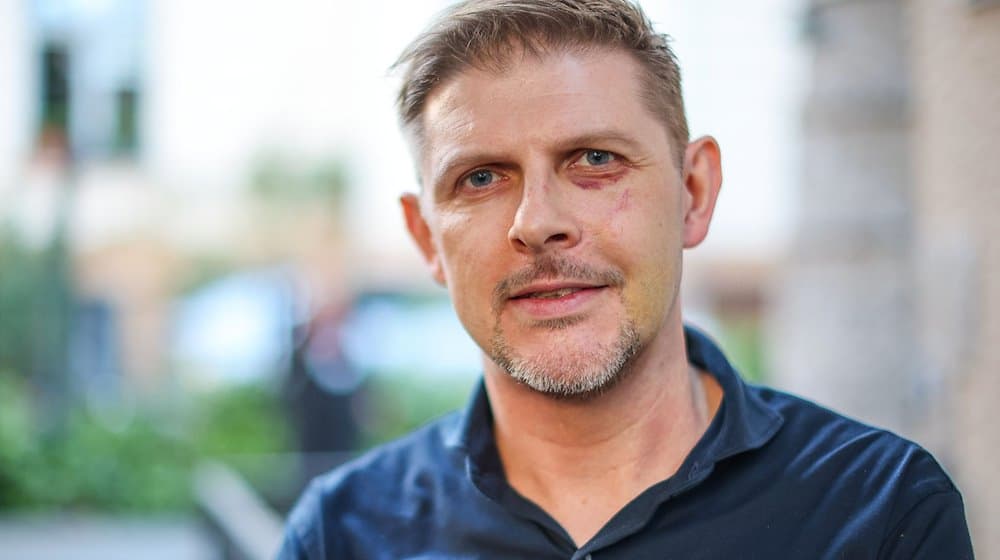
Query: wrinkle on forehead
(560,100)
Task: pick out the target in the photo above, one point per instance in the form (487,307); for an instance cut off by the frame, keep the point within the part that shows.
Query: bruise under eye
(594,169)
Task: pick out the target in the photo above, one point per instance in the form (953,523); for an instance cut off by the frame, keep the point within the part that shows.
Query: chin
(562,370)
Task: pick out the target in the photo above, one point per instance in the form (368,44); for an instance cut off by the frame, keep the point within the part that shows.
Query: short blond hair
(486,34)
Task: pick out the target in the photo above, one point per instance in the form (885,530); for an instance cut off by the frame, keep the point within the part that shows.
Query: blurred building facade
(956,85)
(889,309)
(82,167)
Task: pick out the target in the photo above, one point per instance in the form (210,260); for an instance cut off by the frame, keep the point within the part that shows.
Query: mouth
(554,287)
(555,300)
(553,291)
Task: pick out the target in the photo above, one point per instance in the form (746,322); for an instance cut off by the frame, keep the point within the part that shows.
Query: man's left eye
(596,157)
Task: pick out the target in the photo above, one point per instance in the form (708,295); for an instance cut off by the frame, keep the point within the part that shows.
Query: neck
(582,461)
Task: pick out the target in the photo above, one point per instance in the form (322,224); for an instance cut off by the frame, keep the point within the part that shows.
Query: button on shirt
(774,476)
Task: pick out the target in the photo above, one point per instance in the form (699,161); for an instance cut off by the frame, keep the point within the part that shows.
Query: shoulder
(831,483)
(817,437)
(876,474)
(389,481)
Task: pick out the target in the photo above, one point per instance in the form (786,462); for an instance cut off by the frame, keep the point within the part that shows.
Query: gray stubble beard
(582,376)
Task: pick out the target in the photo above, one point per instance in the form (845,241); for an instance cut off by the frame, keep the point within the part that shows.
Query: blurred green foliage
(31,291)
(84,464)
(141,464)
(59,452)
(279,180)
(243,426)
(18,272)
(742,339)
(401,403)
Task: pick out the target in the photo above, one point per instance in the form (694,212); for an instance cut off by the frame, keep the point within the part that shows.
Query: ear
(421,234)
(702,181)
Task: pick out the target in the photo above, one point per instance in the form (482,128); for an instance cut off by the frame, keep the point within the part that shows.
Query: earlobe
(421,234)
(702,181)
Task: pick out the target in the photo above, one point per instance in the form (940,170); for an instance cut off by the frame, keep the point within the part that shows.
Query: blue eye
(595,158)
(598,157)
(480,178)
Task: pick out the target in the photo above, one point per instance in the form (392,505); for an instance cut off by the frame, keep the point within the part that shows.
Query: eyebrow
(463,159)
(598,137)
(583,140)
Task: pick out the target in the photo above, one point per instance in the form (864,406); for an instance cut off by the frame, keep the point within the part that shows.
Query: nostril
(558,238)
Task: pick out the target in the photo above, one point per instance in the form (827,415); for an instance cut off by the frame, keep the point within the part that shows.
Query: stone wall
(889,307)
(955,64)
(842,322)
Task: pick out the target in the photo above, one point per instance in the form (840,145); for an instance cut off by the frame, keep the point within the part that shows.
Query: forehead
(535,101)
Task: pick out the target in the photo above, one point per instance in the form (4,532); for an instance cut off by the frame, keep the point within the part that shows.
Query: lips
(551,291)
(555,287)
(551,294)
(555,300)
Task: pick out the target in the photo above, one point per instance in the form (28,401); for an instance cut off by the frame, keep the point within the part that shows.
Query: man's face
(553,211)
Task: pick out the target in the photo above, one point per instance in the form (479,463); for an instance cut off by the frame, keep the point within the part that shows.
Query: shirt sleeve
(290,548)
(307,529)
(934,528)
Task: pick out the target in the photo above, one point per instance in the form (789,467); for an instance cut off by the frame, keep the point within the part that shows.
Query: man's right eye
(480,178)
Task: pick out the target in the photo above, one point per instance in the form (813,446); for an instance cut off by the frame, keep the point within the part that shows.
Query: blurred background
(207,295)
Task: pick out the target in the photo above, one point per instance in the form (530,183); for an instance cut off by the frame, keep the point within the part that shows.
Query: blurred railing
(245,526)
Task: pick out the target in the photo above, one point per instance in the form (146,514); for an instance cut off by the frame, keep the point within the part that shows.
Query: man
(558,190)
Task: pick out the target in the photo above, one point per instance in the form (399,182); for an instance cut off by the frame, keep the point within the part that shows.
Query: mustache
(551,267)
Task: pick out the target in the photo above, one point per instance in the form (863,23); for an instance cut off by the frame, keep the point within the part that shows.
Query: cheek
(464,234)
(456,234)
(643,234)
(644,217)
(470,256)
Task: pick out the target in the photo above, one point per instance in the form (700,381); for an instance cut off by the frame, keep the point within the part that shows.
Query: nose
(544,220)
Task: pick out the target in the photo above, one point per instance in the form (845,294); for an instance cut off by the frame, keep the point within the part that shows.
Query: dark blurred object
(54,114)
(323,390)
(126,137)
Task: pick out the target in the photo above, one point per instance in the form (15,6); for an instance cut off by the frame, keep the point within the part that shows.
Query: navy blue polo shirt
(774,476)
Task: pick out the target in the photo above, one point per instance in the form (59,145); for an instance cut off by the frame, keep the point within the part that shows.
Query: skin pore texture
(554,212)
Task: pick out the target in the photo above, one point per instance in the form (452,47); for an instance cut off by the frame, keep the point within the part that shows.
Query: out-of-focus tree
(279,181)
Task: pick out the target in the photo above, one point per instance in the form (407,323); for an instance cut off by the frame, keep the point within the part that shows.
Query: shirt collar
(743,422)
